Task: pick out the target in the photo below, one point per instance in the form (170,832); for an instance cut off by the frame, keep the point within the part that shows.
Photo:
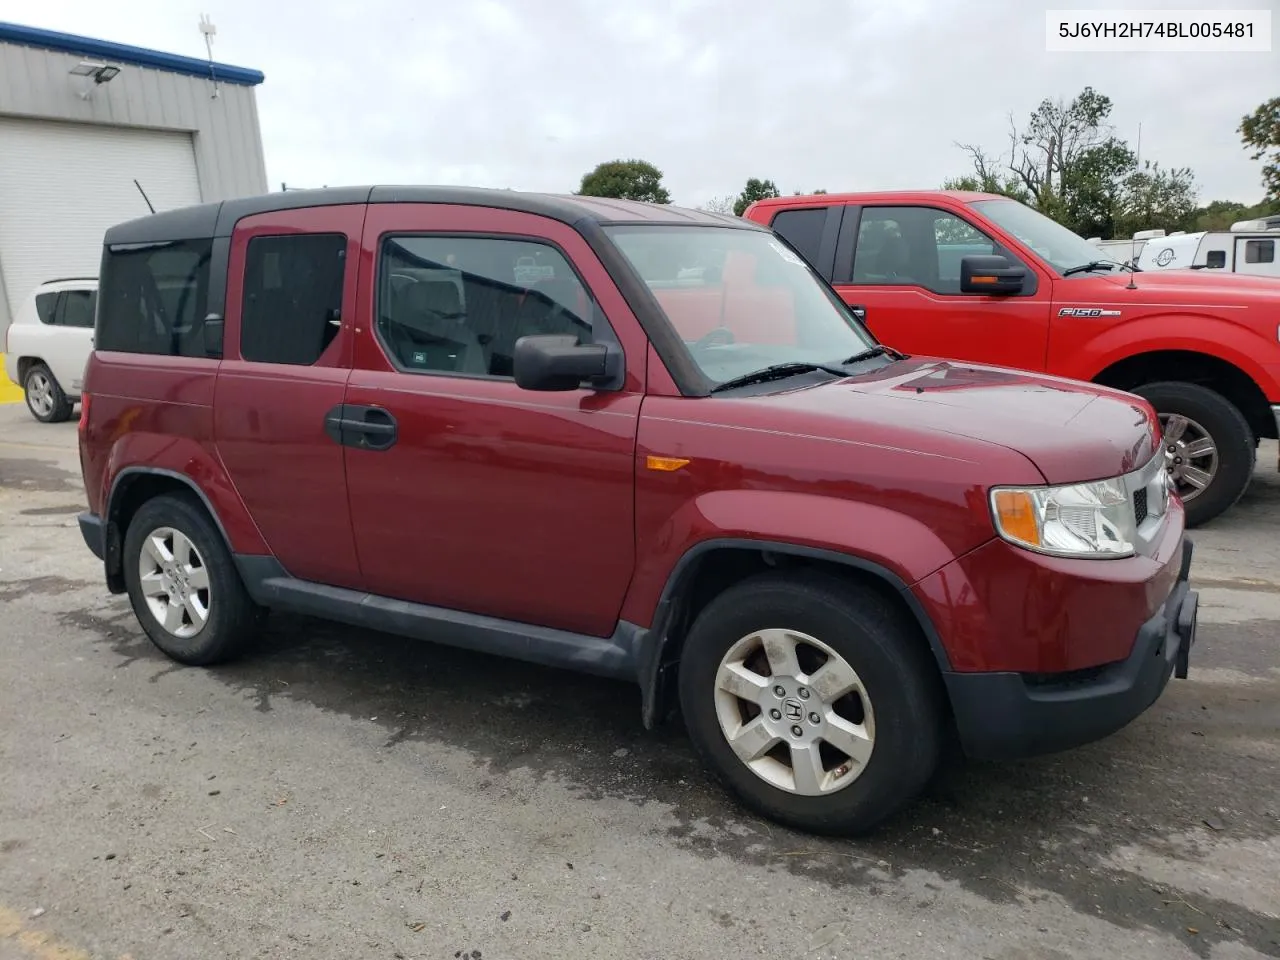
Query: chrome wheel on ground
(183,583)
(175,582)
(795,712)
(45,398)
(814,698)
(1190,453)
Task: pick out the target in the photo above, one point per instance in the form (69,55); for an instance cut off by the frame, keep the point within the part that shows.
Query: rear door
(472,493)
(899,266)
(812,231)
(290,324)
(71,338)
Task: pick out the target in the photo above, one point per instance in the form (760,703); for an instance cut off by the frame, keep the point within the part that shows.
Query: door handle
(362,427)
(859,311)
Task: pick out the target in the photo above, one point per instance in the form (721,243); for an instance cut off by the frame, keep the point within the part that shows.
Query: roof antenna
(144,196)
(210,31)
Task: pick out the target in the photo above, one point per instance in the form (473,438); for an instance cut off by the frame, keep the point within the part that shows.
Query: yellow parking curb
(10,392)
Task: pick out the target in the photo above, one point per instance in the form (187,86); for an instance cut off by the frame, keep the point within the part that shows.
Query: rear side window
(76,308)
(45,303)
(802,229)
(154,298)
(292,307)
(1260,251)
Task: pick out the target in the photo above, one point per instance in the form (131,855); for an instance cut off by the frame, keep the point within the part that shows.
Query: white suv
(48,344)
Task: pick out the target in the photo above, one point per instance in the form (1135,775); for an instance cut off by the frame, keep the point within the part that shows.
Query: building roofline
(124,53)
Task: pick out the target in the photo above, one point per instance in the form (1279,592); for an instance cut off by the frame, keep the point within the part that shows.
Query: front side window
(1050,240)
(154,298)
(1215,259)
(292,307)
(457,305)
(739,299)
(915,246)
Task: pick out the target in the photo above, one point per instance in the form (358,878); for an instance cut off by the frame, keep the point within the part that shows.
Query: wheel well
(131,493)
(25,364)
(1199,368)
(714,571)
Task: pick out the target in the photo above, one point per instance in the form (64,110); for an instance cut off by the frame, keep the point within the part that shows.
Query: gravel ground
(345,795)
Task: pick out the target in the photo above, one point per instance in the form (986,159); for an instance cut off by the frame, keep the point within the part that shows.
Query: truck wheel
(183,585)
(45,398)
(1210,447)
(812,700)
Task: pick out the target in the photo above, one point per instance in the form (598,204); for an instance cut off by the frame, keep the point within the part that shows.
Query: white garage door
(63,184)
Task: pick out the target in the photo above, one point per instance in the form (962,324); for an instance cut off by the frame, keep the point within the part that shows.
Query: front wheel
(813,700)
(1209,448)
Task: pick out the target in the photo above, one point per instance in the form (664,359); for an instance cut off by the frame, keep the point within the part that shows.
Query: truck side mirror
(991,274)
(560,362)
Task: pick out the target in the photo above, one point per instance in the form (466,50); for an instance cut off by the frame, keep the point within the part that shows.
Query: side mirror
(211,334)
(991,275)
(560,362)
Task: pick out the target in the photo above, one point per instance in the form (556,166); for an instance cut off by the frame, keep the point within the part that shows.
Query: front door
(902,271)
(488,498)
(287,345)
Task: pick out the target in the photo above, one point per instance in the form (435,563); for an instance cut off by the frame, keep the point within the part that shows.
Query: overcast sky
(530,94)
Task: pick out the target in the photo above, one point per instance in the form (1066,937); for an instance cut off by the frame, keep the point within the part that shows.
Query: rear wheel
(813,701)
(1209,447)
(183,584)
(45,398)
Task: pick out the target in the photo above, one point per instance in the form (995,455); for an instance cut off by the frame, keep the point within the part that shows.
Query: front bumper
(1003,716)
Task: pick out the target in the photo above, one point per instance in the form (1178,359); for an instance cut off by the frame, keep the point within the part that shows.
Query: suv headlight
(1077,520)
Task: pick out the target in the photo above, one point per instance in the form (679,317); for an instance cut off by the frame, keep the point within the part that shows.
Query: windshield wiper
(1090,267)
(778,371)
(879,350)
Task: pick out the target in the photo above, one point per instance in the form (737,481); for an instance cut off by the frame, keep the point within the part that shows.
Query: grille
(1140,505)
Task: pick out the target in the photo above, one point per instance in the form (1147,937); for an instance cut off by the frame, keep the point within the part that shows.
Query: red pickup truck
(979,277)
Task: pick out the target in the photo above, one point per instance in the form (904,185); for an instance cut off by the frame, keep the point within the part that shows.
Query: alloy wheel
(174,582)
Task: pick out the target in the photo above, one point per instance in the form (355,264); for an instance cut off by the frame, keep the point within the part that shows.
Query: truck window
(916,246)
(1259,251)
(802,229)
(154,298)
(459,304)
(1215,259)
(292,304)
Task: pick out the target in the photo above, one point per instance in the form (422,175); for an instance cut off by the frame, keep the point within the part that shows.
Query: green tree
(1155,198)
(1260,130)
(625,180)
(753,191)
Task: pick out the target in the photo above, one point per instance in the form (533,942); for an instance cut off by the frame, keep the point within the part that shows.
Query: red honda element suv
(638,441)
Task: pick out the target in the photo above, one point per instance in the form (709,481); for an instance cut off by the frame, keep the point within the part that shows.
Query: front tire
(813,700)
(1211,448)
(183,584)
(45,398)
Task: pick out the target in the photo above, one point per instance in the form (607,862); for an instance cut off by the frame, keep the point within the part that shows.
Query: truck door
(899,266)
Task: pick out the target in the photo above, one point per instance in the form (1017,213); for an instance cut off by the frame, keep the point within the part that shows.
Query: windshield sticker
(786,254)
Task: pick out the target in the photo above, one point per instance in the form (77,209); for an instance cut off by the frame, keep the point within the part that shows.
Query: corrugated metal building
(81,119)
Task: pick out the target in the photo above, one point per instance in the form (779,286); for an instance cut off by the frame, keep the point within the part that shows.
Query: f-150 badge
(1087,312)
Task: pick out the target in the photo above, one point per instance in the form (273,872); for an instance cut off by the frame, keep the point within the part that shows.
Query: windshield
(1055,244)
(740,299)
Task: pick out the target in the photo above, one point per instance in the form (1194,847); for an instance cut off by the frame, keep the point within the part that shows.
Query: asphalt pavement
(342,794)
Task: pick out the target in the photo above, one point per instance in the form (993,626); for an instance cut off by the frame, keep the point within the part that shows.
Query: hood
(1071,431)
(1193,287)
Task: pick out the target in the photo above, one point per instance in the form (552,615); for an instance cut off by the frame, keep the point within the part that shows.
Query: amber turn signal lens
(665,464)
(1016,512)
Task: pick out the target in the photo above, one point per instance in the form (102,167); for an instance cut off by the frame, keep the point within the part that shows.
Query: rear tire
(1212,439)
(183,584)
(44,396)
(887,708)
